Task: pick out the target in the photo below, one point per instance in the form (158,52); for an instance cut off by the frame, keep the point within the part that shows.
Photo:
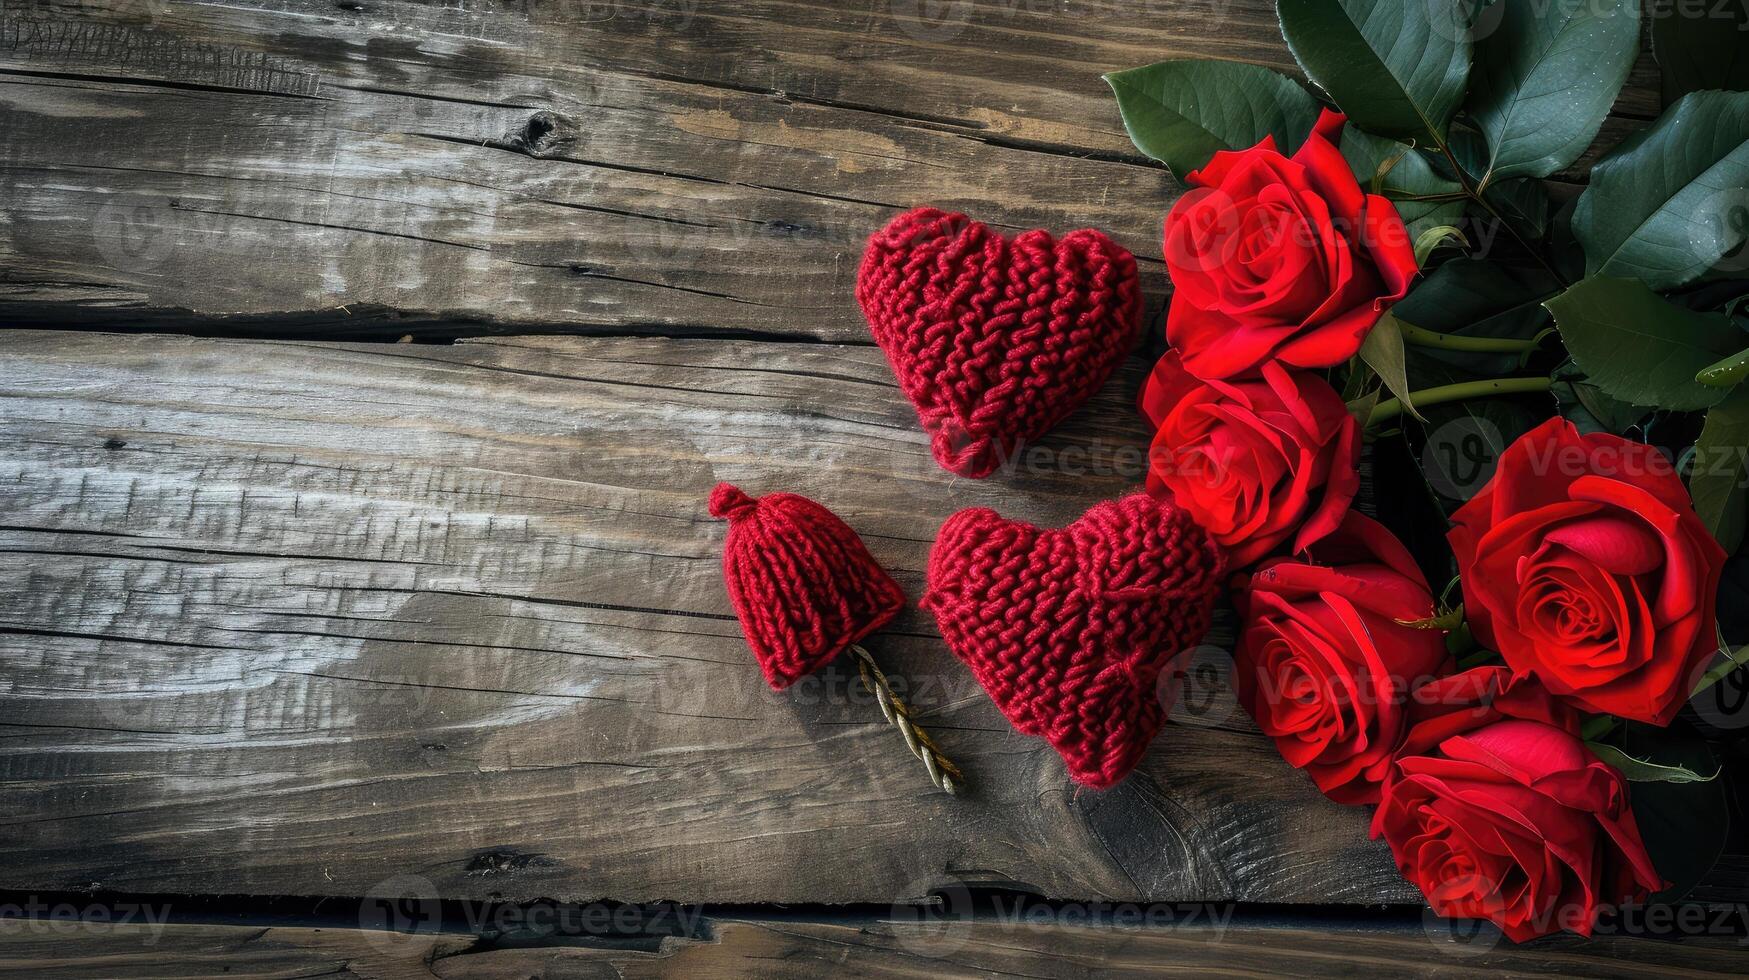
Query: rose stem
(1475,194)
(1422,337)
(1390,408)
(942,771)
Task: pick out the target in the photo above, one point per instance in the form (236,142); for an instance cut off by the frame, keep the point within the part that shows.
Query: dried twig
(942,771)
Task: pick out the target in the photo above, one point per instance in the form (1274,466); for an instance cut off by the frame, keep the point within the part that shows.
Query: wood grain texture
(373,166)
(296,619)
(847,946)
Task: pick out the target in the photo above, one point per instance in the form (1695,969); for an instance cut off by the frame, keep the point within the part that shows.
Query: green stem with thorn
(1422,337)
(1390,408)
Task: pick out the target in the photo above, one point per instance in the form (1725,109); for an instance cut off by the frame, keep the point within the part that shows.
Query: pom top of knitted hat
(802,583)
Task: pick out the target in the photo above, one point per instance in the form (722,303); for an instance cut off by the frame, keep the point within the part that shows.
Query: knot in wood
(544,134)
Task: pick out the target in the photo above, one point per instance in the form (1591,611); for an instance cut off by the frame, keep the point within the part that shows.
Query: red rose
(1496,810)
(1325,664)
(1273,258)
(1256,460)
(1584,564)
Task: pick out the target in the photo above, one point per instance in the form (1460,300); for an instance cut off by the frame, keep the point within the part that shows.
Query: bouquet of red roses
(1382,270)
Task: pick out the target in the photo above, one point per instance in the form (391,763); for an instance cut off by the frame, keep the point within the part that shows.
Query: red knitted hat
(801,581)
(1070,630)
(995,341)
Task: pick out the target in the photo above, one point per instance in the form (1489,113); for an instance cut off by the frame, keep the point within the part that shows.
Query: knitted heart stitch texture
(802,583)
(1070,630)
(995,341)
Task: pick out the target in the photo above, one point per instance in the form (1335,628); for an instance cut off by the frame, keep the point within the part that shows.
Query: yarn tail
(942,771)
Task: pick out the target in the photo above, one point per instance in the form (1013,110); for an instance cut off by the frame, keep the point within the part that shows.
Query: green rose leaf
(1407,181)
(1382,350)
(1396,68)
(1640,348)
(1523,203)
(1715,478)
(1700,46)
(1672,199)
(1684,825)
(1544,80)
(1586,406)
(1181,113)
(1645,770)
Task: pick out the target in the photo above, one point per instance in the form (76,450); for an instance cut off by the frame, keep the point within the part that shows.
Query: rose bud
(1278,258)
(1255,461)
(1496,810)
(1584,564)
(1325,662)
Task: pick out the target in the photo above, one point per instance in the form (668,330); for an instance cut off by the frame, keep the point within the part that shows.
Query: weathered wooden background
(288,617)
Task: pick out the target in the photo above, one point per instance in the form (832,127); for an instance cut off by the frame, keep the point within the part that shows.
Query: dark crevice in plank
(942,124)
(438,915)
(109,638)
(432,96)
(445,644)
(543,601)
(587,272)
(934,121)
(514,146)
(359,324)
(73,76)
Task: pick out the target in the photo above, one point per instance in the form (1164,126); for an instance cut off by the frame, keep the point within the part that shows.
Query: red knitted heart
(995,341)
(1069,630)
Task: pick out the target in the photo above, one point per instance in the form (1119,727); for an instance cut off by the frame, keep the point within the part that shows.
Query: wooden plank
(674,167)
(798,946)
(295,619)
